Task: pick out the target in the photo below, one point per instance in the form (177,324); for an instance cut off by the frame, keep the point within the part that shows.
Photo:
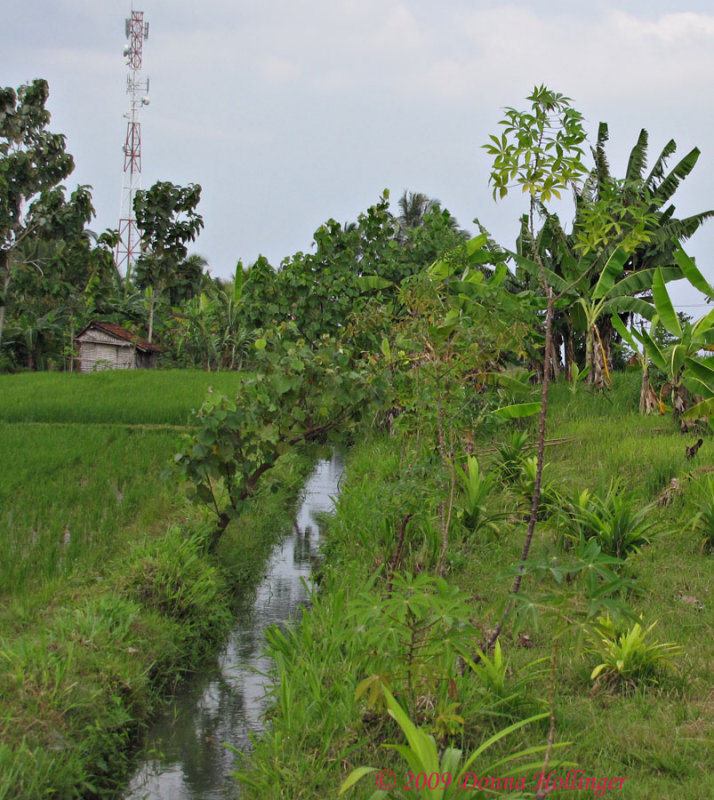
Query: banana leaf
(692,273)
(663,303)
(518,410)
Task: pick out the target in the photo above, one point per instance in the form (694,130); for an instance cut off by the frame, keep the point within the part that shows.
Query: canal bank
(187,753)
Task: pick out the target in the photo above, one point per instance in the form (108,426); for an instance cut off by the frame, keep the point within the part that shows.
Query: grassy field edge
(87,660)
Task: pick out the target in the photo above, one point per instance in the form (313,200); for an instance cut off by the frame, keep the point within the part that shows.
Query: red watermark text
(573,779)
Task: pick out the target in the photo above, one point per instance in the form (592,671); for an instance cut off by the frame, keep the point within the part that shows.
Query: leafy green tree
(299,394)
(33,161)
(187,280)
(167,218)
(70,279)
(354,267)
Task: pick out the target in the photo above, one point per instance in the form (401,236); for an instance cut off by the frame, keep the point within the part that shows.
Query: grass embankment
(107,590)
(655,730)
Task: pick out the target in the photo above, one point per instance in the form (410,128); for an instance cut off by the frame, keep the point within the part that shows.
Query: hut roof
(122,333)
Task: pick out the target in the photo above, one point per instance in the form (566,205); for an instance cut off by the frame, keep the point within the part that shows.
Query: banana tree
(648,400)
(634,213)
(588,302)
(680,361)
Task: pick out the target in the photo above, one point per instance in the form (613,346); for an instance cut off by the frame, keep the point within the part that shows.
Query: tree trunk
(5,269)
(644,386)
(597,366)
(151,317)
(533,518)
(569,353)
(602,372)
(589,348)
(555,357)
(71,346)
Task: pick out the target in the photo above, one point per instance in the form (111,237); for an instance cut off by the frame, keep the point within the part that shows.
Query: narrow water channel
(184,754)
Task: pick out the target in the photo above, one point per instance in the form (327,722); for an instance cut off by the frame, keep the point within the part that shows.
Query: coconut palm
(414,206)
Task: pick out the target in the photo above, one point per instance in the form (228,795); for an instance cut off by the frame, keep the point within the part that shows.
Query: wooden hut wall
(101,355)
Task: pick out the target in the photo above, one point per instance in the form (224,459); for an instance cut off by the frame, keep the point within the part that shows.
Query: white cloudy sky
(289,112)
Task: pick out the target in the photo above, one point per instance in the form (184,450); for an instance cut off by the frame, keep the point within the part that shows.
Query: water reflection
(185,757)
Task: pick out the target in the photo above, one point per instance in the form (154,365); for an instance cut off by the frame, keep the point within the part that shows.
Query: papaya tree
(540,151)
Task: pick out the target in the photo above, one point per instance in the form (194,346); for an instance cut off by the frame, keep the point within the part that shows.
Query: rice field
(83,466)
(121,397)
(96,545)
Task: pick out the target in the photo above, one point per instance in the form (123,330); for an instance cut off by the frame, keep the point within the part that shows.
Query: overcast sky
(289,112)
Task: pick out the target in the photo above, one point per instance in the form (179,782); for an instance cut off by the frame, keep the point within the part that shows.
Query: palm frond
(689,225)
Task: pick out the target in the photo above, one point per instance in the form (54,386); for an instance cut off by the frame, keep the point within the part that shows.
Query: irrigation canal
(184,757)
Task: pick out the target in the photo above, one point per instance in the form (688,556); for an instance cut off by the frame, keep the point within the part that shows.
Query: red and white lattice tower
(138,90)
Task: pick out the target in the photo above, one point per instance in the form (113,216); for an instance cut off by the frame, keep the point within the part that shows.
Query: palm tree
(414,206)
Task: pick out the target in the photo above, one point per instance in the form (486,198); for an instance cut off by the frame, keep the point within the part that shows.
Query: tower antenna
(138,90)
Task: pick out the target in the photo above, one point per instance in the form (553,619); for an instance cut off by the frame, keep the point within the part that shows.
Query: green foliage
(679,360)
(628,658)
(354,274)
(612,518)
(549,498)
(49,272)
(415,635)
(476,488)
(569,592)
(173,577)
(299,395)
(500,680)
(577,376)
(167,218)
(510,456)
(621,227)
(539,150)
(448,772)
(210,333)
(32,160)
